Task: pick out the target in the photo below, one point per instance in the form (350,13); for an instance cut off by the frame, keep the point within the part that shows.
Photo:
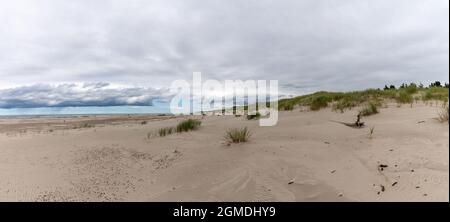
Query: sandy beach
(305,157)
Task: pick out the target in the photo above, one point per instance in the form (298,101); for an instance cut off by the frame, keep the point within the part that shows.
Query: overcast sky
(144,45)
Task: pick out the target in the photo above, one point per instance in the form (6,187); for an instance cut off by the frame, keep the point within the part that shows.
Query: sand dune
(306,157)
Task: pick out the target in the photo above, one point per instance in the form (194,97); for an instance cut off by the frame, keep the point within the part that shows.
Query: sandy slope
(326,161)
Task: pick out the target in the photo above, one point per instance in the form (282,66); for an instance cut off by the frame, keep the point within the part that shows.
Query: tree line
(413,85)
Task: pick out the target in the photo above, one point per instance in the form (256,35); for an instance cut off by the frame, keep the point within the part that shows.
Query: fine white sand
(306,157)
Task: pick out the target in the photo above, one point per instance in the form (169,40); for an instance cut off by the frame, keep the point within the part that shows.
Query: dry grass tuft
(443,114)
(238,135)
(369,110)
(188,125)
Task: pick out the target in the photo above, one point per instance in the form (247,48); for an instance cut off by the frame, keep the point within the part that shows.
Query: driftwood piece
(356,124)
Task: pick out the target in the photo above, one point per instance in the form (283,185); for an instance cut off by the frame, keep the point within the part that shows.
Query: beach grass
(341,101)
(166,131)
(238,135)
(84,125)
(371,131)
(188,125)
(369,109)
(443,114)
(183,126)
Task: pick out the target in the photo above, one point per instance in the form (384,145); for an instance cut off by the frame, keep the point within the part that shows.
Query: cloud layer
(65,95)
(306,45)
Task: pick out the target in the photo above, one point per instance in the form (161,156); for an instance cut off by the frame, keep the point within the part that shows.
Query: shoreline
(80,115)
(45,123)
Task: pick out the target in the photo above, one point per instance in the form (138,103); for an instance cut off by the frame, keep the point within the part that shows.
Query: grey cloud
(88,94)
(311,45)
